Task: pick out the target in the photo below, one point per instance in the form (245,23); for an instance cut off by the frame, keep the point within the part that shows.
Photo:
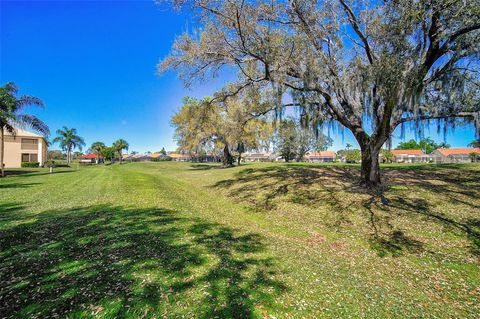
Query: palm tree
(10,106)
(97,148)
(119,146)
(475,143)
(69,140)
(443,145)
(348,146)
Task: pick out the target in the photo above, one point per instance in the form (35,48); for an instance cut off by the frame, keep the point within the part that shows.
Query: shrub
(50,163)
(30,164)
(162,159)
(353,156)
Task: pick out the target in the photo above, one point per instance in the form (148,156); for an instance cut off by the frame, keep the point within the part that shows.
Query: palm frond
(32,122)
(11,88)
(25,100)
(10,129)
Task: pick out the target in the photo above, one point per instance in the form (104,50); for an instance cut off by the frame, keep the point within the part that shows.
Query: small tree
(295,141)
(203,124)
(108,153)
(387,156)
(475,144)
(163,152)
(353,156)
(286,143)
(474,157)
(120,145)
(68,140)
(97,148)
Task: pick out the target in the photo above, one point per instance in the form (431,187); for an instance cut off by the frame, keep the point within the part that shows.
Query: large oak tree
(370,66)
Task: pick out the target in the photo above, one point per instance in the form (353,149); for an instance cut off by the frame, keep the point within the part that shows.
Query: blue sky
(93,63)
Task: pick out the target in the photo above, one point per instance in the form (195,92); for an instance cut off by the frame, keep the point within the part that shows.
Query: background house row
(441,155)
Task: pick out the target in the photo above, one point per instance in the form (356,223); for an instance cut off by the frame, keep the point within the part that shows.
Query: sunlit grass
(145,240)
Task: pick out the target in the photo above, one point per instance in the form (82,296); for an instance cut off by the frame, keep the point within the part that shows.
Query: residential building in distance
(410,156)
(321,157)
(25,146)
(91,159)
(179,157)
(454,155)
(259,157)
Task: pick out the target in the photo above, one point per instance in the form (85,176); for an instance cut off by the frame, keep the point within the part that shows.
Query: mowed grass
(266,240)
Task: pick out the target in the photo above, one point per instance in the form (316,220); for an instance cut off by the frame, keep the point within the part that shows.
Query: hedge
(30,164)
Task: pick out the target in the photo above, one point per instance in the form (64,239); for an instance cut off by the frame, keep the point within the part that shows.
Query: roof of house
(322,154)
(156,155)
(89,156)
(178,155)
(21,132)
(260,154)
(458,151)
(407,152)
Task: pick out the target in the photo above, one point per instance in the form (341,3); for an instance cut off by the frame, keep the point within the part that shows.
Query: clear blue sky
(93,63)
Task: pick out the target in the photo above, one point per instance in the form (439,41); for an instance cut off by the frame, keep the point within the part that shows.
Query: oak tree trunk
(370,167)
(239,159)
(227,158)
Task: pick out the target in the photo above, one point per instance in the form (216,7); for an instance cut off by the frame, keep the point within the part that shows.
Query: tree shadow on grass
(119,262)
(337,187)
(204,167)
(36,172)
(18,185)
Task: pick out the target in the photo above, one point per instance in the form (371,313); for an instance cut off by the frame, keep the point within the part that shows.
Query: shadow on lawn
(36,172)
(338,187)
(88,260)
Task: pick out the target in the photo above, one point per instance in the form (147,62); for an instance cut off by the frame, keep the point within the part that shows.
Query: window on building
(29,157)
(29,143)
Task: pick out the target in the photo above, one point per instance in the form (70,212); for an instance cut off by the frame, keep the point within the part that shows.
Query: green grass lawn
(266,240)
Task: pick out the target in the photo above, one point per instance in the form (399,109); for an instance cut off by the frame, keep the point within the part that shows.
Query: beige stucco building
(24,147)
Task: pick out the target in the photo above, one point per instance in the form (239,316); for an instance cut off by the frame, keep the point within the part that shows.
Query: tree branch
(354,22)
(432,117)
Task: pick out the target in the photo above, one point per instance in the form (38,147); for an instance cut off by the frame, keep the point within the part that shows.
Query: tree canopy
(207,125)
(293,141)
(426,144)
(369,66)
(68,139)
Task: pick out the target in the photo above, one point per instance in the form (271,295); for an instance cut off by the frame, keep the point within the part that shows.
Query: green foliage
(120,145)
(162,159)
(30,164)
(474,157)
(387,156)
(68,139)
(56,155)
(108,153)
(427,145)
(97,148)
(205,125)
(474,143)
(163,152)
(353,156)
(50,163)
(294,141)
